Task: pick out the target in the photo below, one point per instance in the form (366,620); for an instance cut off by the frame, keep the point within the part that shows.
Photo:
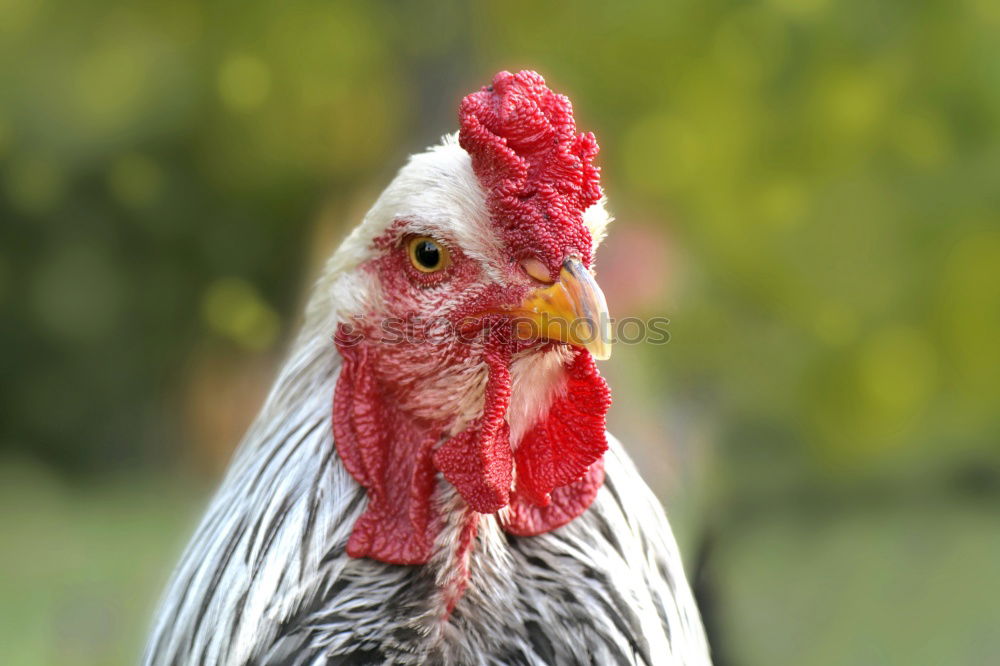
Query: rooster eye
(427,255)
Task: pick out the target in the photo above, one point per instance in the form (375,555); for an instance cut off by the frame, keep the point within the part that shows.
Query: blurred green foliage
(823,173)
(83,564)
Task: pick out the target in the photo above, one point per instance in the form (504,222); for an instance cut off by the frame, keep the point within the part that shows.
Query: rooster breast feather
(266,580)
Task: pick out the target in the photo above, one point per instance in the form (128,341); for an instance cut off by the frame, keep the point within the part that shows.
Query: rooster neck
(465,543)
(469,542)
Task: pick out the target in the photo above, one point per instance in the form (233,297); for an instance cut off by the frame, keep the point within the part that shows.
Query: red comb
(538,173)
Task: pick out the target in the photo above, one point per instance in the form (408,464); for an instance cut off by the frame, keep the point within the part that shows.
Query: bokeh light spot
(987,11)
(18,15)
(836,324)
(897,372)
(853,103)
(234,309)
(111,84)
(782,202)
(244,82)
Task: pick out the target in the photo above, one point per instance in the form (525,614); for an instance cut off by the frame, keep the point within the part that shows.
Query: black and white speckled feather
(265,579)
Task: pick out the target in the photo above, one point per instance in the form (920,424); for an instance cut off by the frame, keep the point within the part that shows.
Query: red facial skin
(388,429)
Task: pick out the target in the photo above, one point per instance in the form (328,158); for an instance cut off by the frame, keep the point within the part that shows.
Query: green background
(808,190)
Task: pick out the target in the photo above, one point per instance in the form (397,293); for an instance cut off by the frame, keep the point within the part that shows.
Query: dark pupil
(428,254)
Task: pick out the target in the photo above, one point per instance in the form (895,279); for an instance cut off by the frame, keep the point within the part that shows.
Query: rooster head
(468,321)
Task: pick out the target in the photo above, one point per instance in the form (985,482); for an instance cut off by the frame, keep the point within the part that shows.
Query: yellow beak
(572,309)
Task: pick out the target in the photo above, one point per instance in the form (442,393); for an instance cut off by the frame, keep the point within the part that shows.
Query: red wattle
(390,453)
(559,467)
(478,460)
(387,452)
(568,502)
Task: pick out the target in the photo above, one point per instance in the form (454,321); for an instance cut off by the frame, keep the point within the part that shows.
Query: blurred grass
(840,588)
(84,563)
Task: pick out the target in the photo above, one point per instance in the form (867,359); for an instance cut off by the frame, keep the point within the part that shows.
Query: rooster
(464,503)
